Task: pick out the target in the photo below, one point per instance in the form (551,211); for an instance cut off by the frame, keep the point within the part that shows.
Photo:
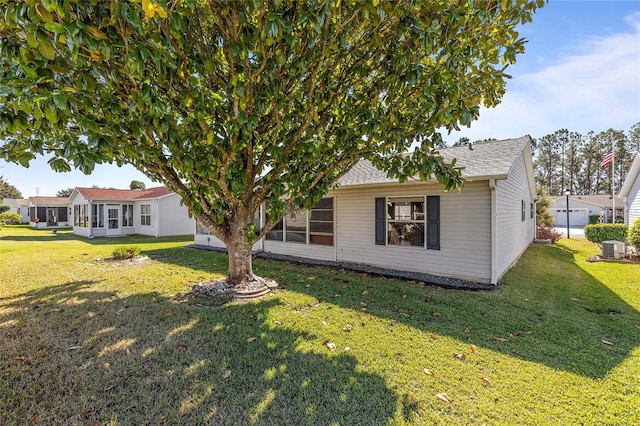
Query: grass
(86,340)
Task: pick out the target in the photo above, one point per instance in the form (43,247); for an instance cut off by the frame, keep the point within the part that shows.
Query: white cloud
(595,88)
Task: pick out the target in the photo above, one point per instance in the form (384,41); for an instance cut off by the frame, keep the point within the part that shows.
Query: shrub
(125,252)
(547,233)
(605,231)
(593,219)
(10,218)
(634,234)
(4,209)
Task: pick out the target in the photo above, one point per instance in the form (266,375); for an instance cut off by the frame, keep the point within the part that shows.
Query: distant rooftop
(123,194)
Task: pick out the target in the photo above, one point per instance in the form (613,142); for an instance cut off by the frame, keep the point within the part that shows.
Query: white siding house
(582,207)
(630,192)
(156,212)
(475,234)
(49,212)
(17,205)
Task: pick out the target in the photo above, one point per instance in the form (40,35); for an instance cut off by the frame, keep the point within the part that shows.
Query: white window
(127,215)
(405,221)
(145,215)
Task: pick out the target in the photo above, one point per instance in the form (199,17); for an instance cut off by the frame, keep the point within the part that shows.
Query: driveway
(574,231)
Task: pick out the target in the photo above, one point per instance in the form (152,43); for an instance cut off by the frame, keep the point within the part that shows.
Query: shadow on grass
(549,311)
(72,354)
(42,235)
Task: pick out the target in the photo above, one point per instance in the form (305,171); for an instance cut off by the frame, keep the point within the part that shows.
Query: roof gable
(632,176)
(487,160)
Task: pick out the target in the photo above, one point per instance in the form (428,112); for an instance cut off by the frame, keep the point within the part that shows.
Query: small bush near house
(593,219)
(634,234)
(124,252)
(605,231)
(546,233)
(10,218)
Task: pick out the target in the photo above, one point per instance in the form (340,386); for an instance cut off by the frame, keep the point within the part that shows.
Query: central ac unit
(612,249)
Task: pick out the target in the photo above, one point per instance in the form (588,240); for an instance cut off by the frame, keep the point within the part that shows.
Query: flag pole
(613,179)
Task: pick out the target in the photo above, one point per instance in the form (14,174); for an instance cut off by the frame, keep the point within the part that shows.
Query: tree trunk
(239,249)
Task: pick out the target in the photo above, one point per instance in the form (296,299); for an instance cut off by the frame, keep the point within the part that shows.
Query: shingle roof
(122,194)
(49,201)
(486,160)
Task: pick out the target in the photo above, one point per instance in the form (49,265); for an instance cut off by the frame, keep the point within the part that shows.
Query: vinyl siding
(173,218)
(513,235)
(465,231)
(634,201)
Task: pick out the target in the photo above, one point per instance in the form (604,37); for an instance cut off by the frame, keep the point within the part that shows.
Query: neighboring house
(157,212)
(18,205)
(49,212)
(475,234)
(583,206)
(630,192)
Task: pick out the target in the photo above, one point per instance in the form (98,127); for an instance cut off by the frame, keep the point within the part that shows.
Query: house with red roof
(102,212)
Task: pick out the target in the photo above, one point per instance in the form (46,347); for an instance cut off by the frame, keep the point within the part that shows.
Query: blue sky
(580,71)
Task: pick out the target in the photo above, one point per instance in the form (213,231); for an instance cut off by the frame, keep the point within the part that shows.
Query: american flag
(608,159)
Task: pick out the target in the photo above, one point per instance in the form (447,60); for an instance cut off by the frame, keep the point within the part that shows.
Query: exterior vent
(612,249)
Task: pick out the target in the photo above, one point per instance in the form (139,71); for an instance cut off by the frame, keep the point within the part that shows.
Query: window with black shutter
(381,232)
(433,222)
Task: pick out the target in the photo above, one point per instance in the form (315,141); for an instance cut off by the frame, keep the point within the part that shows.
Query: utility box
(612,249)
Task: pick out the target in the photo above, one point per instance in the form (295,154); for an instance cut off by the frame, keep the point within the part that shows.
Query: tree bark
(239,249)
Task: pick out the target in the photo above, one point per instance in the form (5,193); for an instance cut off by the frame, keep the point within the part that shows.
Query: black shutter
(381,207)
(433,222)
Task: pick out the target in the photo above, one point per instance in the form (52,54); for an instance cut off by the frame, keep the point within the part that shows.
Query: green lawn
(85,340)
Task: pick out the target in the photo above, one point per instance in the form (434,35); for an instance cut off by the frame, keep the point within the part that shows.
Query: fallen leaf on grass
(516,333)
(484,379)
(363,304)
(459,356)
(495,400)
(466,330)
(429,372)
(347,348)
(365,292)
(311,277)
(444,397)
(473,348)
(436,314)
(106,365)
(181,345)
(226,374)
(168,314)
(500,339)
(73,348)
(606,342)
(18,358)
(251,339)
(405,315)
(36,418)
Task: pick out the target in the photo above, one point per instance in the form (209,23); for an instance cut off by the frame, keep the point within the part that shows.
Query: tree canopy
(7,190)
(66,193)
(136,184)
(234,103)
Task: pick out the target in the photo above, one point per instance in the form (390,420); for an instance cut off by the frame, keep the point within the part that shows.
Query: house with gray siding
(475,234)
(630,192)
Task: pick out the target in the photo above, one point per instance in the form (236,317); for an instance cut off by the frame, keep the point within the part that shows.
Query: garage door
(577,217)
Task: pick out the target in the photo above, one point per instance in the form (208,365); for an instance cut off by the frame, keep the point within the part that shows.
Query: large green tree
(234,103)
(7,190)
